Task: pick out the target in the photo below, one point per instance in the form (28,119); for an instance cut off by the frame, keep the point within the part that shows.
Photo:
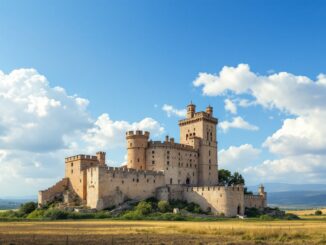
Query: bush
(10,214)
(290,216)
(36,214)
(132,215)
(164,206)
(266,217)
(54,214)
(318,212)
(28,207)
(193,208)
(252,212)
(144,208)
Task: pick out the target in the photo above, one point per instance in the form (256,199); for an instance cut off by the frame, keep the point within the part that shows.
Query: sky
(75,75)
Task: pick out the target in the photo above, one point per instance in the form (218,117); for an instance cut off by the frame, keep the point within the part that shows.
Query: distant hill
(279,187)
(14,202)
(294,195)
(297,199)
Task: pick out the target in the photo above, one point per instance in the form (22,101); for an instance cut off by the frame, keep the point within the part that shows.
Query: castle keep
(166,170)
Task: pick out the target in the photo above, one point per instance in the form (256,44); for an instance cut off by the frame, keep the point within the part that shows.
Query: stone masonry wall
(52,192)
(112,186)
(254,201)
(227,200)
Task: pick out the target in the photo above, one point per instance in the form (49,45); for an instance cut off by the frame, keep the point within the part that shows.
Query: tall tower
(136,147)
(202,125)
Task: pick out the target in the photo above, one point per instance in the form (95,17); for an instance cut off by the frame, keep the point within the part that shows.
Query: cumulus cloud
(40,125)
(237,122)
(230,106)
(307,168)
(238,157)
(287,92)
(172,111)
(300,142)
(108,134)
(32,112)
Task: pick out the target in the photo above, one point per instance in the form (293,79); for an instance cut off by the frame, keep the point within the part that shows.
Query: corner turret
(209,111)
(191,109)
(100,155)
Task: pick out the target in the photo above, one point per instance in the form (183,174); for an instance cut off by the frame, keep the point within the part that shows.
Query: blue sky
(129,58)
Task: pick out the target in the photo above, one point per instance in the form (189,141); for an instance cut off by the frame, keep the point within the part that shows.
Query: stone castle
(166,170)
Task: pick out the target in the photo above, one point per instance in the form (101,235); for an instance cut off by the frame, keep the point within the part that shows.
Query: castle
(166,170)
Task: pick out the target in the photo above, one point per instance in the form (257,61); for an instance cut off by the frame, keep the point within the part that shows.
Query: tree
(236,179)
(247,192)
(318,212)
(27,207)
(224,176)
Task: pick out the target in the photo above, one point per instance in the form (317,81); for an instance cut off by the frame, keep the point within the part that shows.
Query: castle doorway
(188,181)
(239,210)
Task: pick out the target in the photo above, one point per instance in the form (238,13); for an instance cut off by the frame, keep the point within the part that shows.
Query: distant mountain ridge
(14,202)
(294,195)
(280,187)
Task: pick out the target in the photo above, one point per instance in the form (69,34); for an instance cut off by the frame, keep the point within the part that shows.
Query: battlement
(137,133)
(215,188)
(171,144)
(198,116)
(80,157)
(117,170)
(251,196)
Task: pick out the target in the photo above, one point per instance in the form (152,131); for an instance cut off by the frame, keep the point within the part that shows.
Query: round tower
(191,109)
(136,149)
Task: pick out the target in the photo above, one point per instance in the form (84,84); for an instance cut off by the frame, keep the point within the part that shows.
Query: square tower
(202,127)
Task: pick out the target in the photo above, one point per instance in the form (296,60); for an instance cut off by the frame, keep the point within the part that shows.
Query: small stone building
(166,170)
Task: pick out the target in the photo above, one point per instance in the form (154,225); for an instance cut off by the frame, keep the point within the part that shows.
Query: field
(306,211)
(229,231)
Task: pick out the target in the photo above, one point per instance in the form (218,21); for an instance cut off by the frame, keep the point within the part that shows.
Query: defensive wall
(254,201)
(112,186)
(53,192)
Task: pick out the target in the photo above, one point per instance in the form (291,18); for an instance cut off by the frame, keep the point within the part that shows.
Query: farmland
(228,231)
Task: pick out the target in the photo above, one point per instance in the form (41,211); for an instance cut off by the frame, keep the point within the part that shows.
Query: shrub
(27,207)
(164,206)
(55,214)
(290,216)
(144,208)
(132,215)
(252,212)
(10,214)
(36,214)
(194,208)
(318,212)
(266,217)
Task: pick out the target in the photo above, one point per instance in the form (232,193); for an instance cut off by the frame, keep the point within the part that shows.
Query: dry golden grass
(306,212)
(164,232)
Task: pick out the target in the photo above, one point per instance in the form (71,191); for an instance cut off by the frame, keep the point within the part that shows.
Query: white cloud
(235,158)
(284,91)
(230,106)
(301,135)
(299,169)
(171,111)
(36,117)
(40,125)
(108,134)
(301,141)
(237,122)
